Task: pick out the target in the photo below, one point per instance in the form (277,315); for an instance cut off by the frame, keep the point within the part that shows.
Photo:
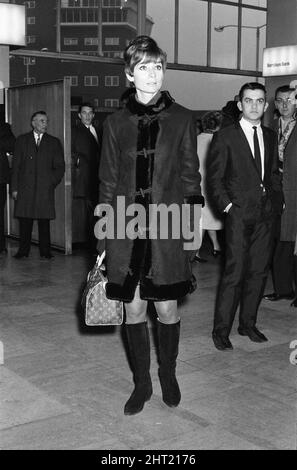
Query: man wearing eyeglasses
(38,167)
(284,266)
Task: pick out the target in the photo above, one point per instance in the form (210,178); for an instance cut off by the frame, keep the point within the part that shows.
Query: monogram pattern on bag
(99,310)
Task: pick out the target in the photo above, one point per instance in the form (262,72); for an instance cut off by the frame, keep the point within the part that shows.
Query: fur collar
(160,102)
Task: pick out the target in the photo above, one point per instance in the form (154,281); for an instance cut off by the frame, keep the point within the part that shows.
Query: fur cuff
(198,199)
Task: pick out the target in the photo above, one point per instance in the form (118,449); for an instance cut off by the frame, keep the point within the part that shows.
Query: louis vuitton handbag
(98,309)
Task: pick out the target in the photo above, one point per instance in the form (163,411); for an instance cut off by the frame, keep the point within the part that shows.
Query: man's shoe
(222,343)
(199,259)
(294,303)
(253,333)
(49,256)
(216,253)
(274,296)
(20,255)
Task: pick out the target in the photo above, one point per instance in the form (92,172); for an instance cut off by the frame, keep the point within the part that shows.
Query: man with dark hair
(85,149)
(284,267)
(7,141)
(38,167)
(245,184)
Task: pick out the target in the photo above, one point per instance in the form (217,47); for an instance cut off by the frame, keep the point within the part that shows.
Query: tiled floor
(63,385)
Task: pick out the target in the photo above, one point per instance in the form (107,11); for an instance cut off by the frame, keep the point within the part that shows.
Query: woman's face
(148,78)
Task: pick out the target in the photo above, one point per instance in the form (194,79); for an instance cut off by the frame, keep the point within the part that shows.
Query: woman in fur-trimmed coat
(149,157)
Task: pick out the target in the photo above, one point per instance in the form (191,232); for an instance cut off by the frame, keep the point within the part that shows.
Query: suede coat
(149,156)
(35,174)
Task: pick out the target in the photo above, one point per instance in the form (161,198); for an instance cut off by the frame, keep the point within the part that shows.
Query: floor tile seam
(37,420)
(265,444)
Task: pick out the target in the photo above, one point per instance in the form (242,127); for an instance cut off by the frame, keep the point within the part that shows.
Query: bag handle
(100,259)
(99,262)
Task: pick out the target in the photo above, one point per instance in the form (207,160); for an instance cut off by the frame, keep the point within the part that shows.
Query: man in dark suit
(7,141)
(38,167)
(284,266)
(245,183)
(85,149)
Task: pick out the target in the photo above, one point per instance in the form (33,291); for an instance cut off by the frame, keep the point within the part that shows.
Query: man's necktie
(257,153)
(38,141)
(93,132)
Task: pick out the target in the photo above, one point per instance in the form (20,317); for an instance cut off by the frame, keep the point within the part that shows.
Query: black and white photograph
(148,230)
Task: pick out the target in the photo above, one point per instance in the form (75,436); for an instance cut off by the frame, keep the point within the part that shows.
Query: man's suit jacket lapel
(88,133)
(32,144)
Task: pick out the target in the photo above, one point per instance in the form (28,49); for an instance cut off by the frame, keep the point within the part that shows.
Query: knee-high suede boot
(168,336)
(139,348)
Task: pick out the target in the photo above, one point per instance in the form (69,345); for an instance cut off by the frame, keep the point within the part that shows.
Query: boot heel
(170,391)
(140,395)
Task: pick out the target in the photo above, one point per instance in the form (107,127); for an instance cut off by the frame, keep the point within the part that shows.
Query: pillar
(4,67)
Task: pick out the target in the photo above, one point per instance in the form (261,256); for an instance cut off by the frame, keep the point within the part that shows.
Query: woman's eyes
(144,67)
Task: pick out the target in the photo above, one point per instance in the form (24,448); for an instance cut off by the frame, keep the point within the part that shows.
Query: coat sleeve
(190,175)
(276,179)
(74,152)
(7,139)
(58,165)
(216,171)
(16,162)
(109,164)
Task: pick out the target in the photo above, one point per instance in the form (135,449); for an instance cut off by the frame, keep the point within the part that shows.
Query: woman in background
(210,221)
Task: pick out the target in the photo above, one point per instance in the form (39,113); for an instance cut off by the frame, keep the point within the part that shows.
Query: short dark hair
(211,121)
(143,47)
(38,112)
(283,89)
(251,86)
(85,105)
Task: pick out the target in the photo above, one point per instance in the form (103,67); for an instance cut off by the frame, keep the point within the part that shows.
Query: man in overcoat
(284,266)
(38,167)
(245,183)
(85,150)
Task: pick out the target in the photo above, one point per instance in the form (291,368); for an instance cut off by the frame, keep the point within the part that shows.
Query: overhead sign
(12,24)
(280,61)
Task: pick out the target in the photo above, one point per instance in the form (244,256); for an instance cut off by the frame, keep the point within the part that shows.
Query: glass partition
(253,39)
(224,34)
(162,16)
(192,32)
(256,3)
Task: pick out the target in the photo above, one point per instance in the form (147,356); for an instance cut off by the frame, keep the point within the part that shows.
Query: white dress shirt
(93,131)
(36,135)
(248,130)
